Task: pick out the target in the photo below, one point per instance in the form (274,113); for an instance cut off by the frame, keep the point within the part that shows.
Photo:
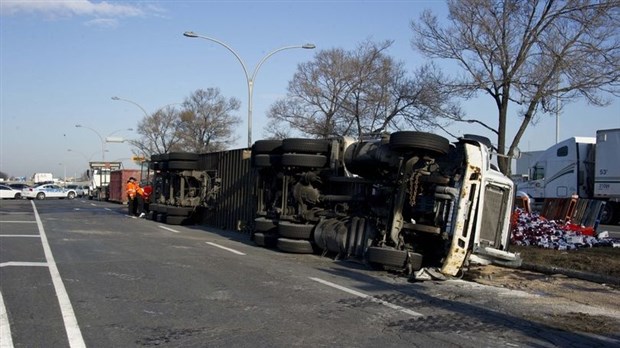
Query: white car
(9,192)
(48,191)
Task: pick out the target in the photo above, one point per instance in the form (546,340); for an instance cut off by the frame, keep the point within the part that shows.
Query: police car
(48,191)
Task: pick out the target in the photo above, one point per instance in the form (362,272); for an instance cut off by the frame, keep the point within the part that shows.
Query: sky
(61,62)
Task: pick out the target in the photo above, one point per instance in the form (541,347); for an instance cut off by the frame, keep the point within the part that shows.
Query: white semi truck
(99,179)
(588,167)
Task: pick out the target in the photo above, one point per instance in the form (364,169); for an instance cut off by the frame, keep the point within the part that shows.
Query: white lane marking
(108,209)
(19,222)
(21,235)
(6,341)
(74,334)
(24,264)
(94,205)
(370,298)
(225,248)
(169,229)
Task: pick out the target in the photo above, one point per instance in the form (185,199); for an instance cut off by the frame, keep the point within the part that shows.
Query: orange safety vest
(131,190)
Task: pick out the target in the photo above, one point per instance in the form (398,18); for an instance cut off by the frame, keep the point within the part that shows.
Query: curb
(592,277)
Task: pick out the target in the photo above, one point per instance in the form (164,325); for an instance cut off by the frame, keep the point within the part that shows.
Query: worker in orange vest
(132,188)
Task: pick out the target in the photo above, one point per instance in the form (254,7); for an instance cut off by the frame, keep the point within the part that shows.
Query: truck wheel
(179,211)
(262,224)
(266,146)
(303,160)
(295,231)
(295,246)
(297,145)
(410,141)
(607,214)
(267,240)
(387,256)
(40,195)
(264,160)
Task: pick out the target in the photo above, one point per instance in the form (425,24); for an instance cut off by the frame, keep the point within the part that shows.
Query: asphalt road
(78,273)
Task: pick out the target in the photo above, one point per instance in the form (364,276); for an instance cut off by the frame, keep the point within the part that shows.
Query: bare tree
(357,92)
(158,133)
(207,123)
(528,54)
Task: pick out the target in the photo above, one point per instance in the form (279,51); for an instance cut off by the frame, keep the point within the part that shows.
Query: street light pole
(132,102)
(100,138)
(141,108)
(103,141)
(249,79)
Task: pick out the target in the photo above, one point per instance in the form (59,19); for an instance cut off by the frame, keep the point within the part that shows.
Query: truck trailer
(586,167)
(99,179)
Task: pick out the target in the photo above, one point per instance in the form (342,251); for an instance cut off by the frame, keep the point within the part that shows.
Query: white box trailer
(607,165)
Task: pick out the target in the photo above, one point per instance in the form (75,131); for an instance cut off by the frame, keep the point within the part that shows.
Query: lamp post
(132,102)
(100,138)
(138,105)
(103,141)
(249,79)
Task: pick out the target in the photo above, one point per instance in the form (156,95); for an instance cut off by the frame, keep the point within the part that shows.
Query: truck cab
(562,171)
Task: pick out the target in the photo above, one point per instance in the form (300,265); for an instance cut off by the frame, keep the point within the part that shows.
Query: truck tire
(262,224)
(266,147)
(310,146)
(410,141)
(264,160)
(303,160)
(295,246)
(295,231)
(607,214)
(387,256)
(178,211)
(267,240)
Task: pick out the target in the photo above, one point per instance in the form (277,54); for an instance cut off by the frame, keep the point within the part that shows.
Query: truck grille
(493,216)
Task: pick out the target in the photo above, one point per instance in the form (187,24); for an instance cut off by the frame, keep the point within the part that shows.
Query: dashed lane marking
(20,235)
(23,264)
(169,229)
(225,248)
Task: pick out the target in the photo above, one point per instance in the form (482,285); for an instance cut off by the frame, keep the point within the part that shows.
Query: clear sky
(62,61)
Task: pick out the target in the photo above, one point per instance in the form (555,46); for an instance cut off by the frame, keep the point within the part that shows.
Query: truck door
(561,174)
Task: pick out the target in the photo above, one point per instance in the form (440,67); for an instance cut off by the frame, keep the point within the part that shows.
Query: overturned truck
(181,190)
(410,201)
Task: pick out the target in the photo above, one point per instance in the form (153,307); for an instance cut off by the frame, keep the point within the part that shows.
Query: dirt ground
(599,296)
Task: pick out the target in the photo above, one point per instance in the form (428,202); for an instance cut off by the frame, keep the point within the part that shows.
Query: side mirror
(516,153)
